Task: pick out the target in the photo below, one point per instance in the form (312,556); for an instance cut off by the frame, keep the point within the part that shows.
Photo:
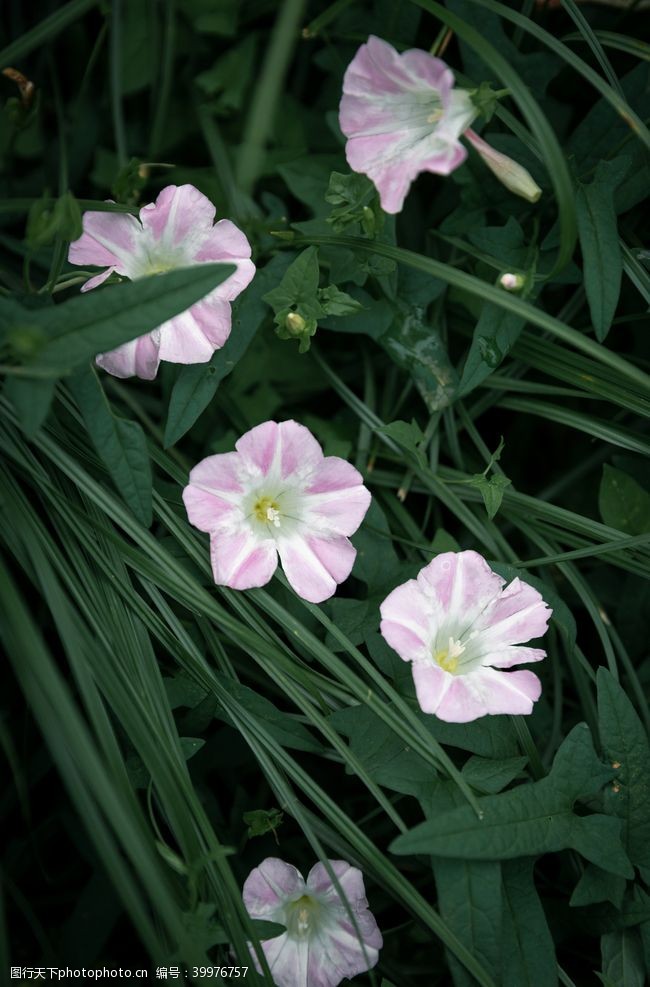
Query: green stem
(261,117)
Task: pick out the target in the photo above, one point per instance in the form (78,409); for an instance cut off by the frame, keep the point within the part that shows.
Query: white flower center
(301,917)
(447,657)
(267,510)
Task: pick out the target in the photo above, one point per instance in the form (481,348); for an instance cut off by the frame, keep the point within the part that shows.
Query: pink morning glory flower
(402,115)
(322,945)
(278,495)
(461,627)
(177,230)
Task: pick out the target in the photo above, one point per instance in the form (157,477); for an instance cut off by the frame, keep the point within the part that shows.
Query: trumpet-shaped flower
(278,495)
(402,115)
(462,628)
(177,230)
(328,937)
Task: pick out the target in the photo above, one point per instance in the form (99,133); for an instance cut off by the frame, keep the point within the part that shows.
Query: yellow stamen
(448,657)
(267,510)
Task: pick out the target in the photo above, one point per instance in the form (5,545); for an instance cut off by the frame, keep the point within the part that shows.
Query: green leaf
(129,182)
(336,302)
(47,220)
(262,821)
(531,819)
(495,334)
(601,251)
(528,951)
(196,385)
(622,957)
(191,746)
(356,201)
(490,776)
(469,899)
(623,502)
(415,346)
(626,747)
(407,436)
(597,885)
(183,691)
(491,489)
(32,400)
(120,444)
(77,330)
(388,760)
(490,736)
(285,729)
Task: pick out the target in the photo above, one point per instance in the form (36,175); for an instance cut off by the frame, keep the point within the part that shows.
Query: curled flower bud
(515,178)
(295,324)
(512,282)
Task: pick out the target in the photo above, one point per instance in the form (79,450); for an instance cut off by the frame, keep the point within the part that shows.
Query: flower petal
(226,242)
(401,117)
(138,358)
(268,886)
(512,655)
(288,960)
(463,698)
(184,338)
(349,878)
(337,499)
(109,239)
(179,218)
(315,566)
(241,560)
(97,280)
(258,446)
(299,450)
(459,586)
(405,622)
(518,614)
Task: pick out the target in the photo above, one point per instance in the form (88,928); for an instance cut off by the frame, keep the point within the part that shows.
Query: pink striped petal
(405,622)
(242,561)
(519,614)
(209,512)
(314,566)
(179,218)
(258,446)
(512,655)
(460,583)
(299,450)
(138,358)
(269,886)
(182,340)
(218,474)
(97,280)
(109,239)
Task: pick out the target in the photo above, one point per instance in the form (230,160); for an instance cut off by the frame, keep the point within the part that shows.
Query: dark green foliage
(163,735)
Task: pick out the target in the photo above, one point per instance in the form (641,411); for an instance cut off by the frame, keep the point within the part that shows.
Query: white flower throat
(448,656)
(301,917)
(267,510)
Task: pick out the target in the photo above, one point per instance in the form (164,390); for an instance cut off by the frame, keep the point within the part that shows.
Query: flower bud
(515,178)
(512,282)
(295,324)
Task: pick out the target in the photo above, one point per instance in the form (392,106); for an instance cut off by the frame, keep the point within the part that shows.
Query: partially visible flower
(515,178)
(322,944)
(402,115)
(278,495)
(174,231)
(460,626)
(512,282)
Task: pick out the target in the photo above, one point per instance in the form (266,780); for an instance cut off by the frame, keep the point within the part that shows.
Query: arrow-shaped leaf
(531,819)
